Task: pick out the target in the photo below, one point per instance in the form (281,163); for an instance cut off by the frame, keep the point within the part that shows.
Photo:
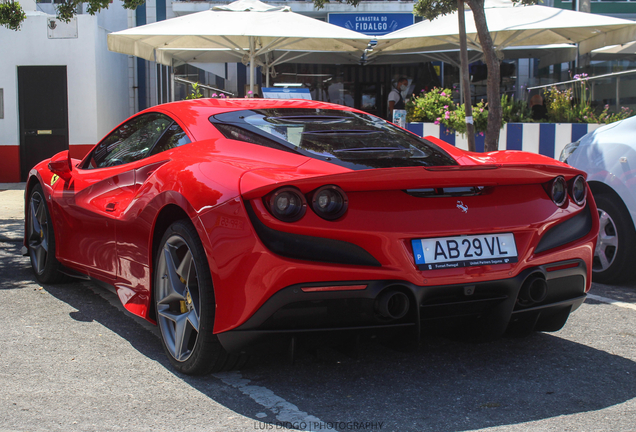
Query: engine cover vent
(460,191)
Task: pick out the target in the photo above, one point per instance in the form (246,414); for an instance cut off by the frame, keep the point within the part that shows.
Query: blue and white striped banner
(547,139)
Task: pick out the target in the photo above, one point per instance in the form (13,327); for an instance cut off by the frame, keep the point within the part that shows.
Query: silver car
(608,156)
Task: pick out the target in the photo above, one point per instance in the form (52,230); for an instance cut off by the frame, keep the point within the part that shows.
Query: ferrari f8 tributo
(230,221)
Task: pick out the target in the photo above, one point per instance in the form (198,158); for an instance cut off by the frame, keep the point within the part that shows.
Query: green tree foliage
(196,92)
(12,15)
(431,9)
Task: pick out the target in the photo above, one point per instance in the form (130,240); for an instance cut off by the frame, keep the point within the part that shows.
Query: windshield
(354,140)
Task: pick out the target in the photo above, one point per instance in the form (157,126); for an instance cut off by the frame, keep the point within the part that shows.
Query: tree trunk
(465,77)
(493,65)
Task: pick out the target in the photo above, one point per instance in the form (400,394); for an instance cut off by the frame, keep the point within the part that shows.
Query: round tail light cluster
(558,191)
(329,202)
(288,204)
(576,188)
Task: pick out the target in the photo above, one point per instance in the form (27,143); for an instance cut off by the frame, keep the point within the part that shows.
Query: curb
(12,186)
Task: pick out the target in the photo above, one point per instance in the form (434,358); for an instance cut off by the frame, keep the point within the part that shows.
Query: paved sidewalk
(12,212)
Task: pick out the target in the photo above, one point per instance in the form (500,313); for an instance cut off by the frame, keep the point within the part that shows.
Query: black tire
(184,298)
(41,239)
(614,256)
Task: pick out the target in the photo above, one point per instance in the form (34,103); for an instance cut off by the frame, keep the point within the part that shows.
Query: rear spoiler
(258,183)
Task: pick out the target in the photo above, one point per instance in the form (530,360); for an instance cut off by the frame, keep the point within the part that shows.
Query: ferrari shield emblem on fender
(54,179)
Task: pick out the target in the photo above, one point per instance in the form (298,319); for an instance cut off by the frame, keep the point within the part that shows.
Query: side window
(240,134)
(130,142)
(174,137)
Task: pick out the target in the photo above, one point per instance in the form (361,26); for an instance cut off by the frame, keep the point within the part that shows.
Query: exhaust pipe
(392,304)
(534,290)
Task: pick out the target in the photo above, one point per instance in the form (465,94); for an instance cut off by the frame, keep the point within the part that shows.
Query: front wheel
(616,244)
(41,239)
(185,304)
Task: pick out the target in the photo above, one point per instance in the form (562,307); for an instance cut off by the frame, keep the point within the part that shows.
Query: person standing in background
(539,111)
(396,101)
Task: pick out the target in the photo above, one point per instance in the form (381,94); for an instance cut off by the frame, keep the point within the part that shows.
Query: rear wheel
(616,244)
(41,239)
(185,304)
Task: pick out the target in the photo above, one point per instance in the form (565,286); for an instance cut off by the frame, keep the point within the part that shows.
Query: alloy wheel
(178,298)
(38,232)
(607,242)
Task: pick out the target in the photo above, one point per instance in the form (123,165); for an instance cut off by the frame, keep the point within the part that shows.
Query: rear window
(354,140)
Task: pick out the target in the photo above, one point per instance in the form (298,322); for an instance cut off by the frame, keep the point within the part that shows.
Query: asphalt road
(72,359)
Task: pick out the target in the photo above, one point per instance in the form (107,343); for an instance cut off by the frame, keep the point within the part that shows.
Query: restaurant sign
(374,24)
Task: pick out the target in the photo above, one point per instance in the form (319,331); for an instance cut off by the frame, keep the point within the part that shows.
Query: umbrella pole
(463,56)
(266,70)
(252,65)
(172,81)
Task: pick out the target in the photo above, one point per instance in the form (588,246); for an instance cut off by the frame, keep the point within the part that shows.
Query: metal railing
(592,79)
(204,86)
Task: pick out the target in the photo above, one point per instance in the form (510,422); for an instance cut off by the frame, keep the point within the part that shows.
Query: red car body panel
(105,218)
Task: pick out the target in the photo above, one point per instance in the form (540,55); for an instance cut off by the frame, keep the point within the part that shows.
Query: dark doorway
(43,105)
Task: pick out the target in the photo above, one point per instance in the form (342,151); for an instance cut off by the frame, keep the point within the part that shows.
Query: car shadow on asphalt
(14,268)
(11,261)
(11,230)
(450,385)
(445,385)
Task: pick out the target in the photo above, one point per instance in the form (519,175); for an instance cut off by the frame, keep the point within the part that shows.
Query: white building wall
(151,11)
(97,79)
(114,18)
(112,101)
(151,69)
(132,71)
(32,47)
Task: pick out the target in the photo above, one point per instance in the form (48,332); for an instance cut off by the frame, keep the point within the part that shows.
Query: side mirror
(60,164)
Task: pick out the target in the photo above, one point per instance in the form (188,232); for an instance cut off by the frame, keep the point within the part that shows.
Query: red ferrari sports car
(230,221)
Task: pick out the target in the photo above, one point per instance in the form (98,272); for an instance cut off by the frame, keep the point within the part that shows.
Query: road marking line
(612,301)
(285,412)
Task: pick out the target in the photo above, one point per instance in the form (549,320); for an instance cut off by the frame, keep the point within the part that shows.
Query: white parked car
(608,155)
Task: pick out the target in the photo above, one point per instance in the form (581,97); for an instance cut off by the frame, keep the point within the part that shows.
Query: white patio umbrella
(245,27)
(514,25)
(547,55)
(616,52)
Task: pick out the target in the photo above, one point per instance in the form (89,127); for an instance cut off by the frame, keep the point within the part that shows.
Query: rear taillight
(558,191)
(329,202)
(287,204)
(578,190)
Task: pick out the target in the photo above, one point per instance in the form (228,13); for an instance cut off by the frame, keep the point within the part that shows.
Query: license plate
(464,251)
